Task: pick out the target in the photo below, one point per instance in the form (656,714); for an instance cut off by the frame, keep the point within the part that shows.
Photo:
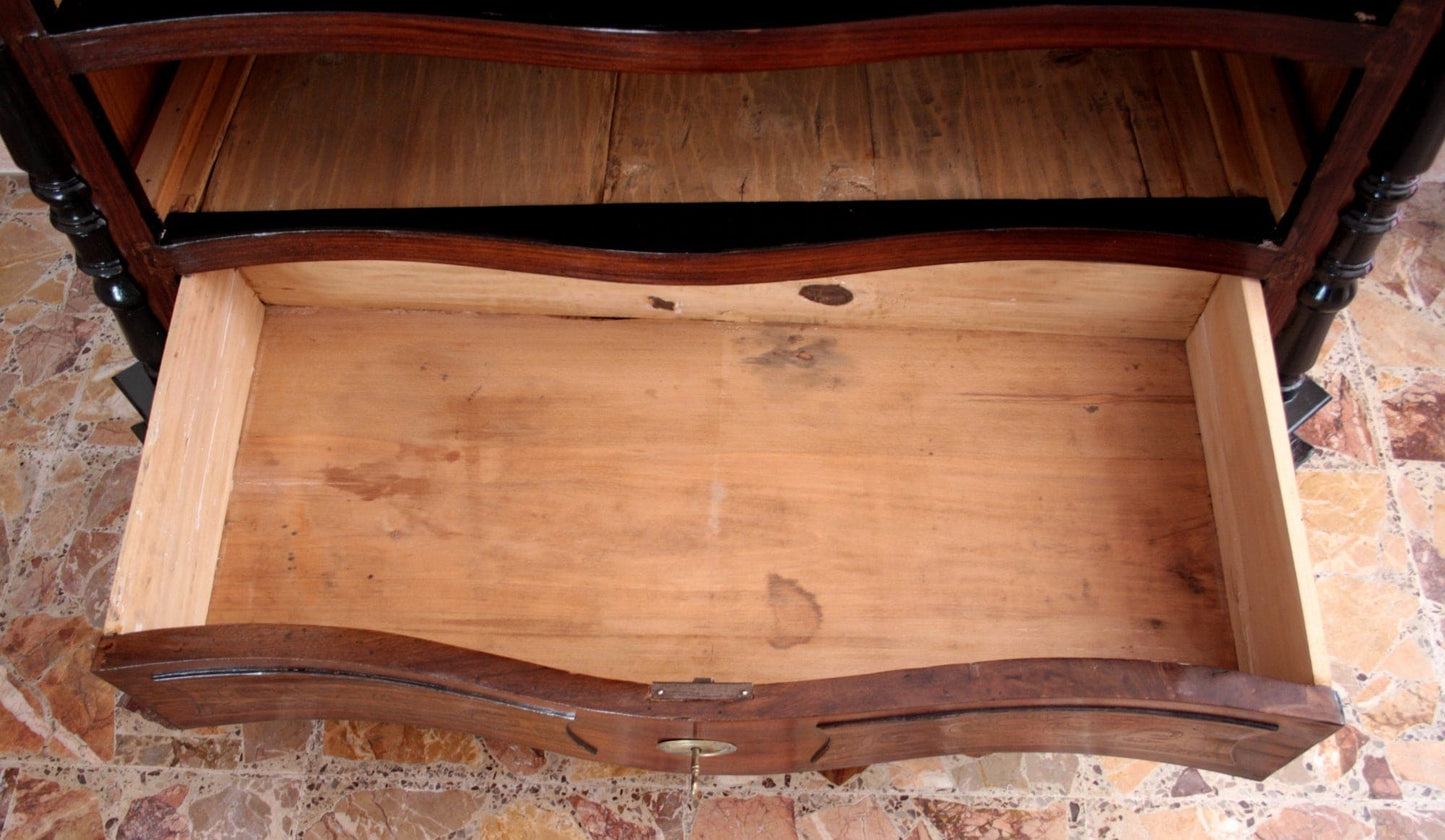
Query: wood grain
(188,131)
(1161,98)
(1228,123)
(1132,301)
(988,125)
(168,556)
(1267,571)
(128,96)
(800,135)
(384,131)
(1202,717)
(1270,122)
(711,499)
(1012,28)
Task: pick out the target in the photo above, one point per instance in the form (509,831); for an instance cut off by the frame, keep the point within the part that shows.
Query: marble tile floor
(73,765)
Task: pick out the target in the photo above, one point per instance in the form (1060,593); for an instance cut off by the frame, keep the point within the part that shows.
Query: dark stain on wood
(796,614)
(662,303)
(1189,576)
(1069,58)
(828,294)
(795,352)
(369,487)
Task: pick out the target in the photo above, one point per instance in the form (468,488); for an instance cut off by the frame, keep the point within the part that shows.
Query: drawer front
(1209,718)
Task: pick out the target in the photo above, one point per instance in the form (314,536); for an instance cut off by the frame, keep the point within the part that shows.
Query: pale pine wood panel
(128,96)
(1269,123)
(1134,301)
(189,130)
(1266,564)
(173,536)
(664,501)
(349,130)
(1226,119)
(798,135)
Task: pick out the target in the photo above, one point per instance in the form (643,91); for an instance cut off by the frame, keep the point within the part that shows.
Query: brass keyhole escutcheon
(697,749)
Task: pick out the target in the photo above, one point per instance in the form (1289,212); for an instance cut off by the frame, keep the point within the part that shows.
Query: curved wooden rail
(1205,717)
(720,244)
(107,41)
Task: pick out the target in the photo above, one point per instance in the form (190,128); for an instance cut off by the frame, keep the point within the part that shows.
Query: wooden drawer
(970,508)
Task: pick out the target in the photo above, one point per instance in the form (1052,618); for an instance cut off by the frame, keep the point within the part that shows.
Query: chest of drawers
(808,393)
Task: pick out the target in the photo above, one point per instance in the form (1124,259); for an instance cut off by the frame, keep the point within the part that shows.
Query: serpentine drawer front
(879,537)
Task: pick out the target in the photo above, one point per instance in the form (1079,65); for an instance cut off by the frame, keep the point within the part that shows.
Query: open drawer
(970,508)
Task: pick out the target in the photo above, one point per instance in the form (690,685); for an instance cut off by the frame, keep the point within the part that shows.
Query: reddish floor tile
(1316,823)
(50,344)
(274,740)
(156,817)
(369,741)
(1399,825)
(1415,415)
(956,821)
(1381,781)
(52,655)
(44,810)
(532,821)
(1411,260)
(602,823)
(860,821)
(755,817)
(397,813)
(1341,426)
(518,760)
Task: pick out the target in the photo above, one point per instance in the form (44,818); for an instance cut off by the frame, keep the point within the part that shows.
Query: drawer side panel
(1270,585)
(168,559)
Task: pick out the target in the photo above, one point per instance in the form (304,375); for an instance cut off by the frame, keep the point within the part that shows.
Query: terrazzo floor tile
(75,762)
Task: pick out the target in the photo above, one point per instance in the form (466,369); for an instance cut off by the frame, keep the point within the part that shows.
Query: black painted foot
(139,388)
(1304,401)
(1300,449)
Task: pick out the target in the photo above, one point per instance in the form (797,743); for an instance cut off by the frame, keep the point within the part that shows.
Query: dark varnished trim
(37,147)
(636,50)
(85,135)
(1399,158)
(739,14)
(1232,720)
(212,675)
(1376,90)
(332,673)
(741,243)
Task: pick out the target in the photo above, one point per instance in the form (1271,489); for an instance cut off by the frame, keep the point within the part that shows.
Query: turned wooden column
(39,150)
(1404,151)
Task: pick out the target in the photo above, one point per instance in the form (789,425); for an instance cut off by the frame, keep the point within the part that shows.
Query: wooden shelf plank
(801,135)
(389,131)
(355,131)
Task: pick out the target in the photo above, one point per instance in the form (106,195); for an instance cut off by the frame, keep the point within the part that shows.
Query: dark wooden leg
(39,150)
(1405,150)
